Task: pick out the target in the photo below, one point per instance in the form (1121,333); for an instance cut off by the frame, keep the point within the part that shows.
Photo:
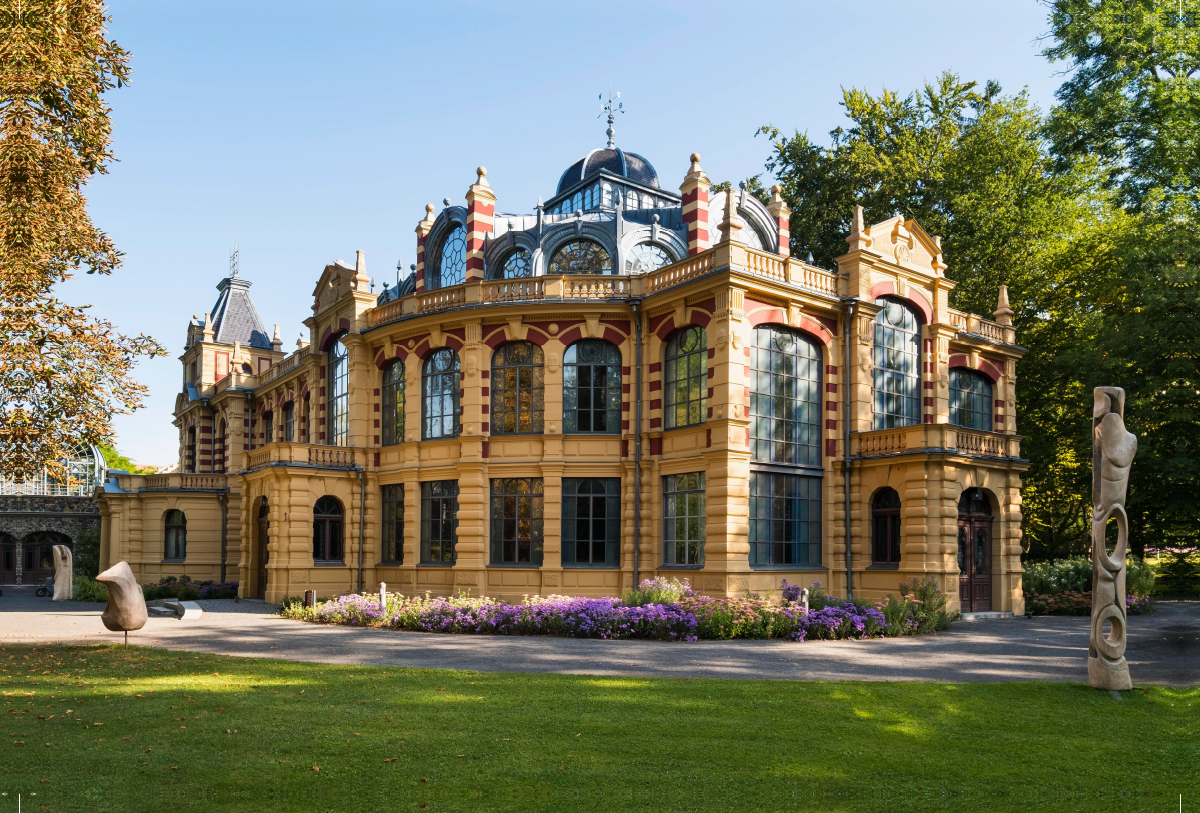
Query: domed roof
(615,160)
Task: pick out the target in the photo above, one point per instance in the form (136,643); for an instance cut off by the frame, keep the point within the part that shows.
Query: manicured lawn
(153,730)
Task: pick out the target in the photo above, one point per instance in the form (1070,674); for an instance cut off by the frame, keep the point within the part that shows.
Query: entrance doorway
(974,551)
(263,554)
(8,560)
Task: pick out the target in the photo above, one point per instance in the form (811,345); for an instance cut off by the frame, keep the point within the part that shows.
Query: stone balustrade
(180,481)
(935,438)
(304,454)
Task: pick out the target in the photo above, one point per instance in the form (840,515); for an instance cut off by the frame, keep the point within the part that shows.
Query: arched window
(647,257)
(393,403)
(516,265)
(685,378)
(451,266)
(219,449)
(440,386)
(518,389)
(268,427)
(631,199)
(785,397)
(306,437)
(885,527)
(591,521)
(175,547)
(338,422)
(896,385)
(970,399)
(190,454)
(289,422)
(592,387)
(580,257)
(517,523)
(393,525)
(577,202)
(683,519)
(587,199)
(327,531)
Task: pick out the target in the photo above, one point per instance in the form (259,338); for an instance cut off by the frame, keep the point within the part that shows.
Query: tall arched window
(518,389)
(338,423)
(647,257)
(516,265)
(306,437)
(289,422)
(190,462)
(268,427)
(970,399)
(885,527)
(440,387)
(896,389)
(451,266)
(592,387)
(581,257)
(219,449)
(685,378)
(393,403)
(631,199)
(175,547)
(785,397)
(327,531)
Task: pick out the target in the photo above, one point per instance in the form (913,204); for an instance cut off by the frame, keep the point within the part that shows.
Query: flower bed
(689,617)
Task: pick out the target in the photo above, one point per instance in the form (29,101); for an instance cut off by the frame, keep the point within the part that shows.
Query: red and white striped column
(695,206)
(422,232)
(481,208)
(781,214)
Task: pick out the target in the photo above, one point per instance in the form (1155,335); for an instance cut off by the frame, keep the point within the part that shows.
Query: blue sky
(306,130)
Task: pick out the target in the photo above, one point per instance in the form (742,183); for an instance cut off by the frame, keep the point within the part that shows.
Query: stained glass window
(518,389)
(592,387)
(785,397)
(338,422)
(591,521)
(683,519)
(441,386)
(518,264)
(785,520)
(517,520)
(393,524)
(580,257)
(452,260)
(896,382)
(970,399)
(647,257)
(685,378)
(439,521)
(393,404)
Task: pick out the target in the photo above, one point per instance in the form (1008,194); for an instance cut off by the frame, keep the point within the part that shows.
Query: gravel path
(1164,647)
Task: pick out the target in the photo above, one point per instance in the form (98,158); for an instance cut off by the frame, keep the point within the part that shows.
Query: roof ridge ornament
(607,107)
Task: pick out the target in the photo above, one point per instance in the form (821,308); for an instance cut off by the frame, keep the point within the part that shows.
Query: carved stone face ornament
(1113,449)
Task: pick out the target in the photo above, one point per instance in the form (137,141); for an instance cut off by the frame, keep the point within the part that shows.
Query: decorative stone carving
(63,573)
(126,608)
(1113,449)
(550,580)
(466,578)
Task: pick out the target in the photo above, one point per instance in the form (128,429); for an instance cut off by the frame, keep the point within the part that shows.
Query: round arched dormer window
(516,265)
(452,259)
(581,257)
(647,257)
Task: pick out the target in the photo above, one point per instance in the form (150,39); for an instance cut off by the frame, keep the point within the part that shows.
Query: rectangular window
(683,519)
(785,520)
(591,521)
(785,399)
(221,363)
(289,422)
(268,427)
(685,378)
(517,519)
(439,521)
(393,525)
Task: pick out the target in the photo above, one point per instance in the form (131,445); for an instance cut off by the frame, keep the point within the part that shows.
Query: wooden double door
(974,552)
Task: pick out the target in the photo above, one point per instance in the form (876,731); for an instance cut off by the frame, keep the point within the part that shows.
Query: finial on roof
(446,202)
(731,224)
(1003,312)
(810,258)
(234,253)
(695,163)
(276,341)
(481,175)
(607,107)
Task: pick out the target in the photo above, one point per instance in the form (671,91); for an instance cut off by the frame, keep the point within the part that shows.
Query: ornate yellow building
(626,383)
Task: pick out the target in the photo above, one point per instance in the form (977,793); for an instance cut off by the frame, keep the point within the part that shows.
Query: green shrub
(818,599)
(1074,575)
(1181,571)
(87,554)
(657,591)
(1140,577)
(930,611)
(88,590)
(898,611)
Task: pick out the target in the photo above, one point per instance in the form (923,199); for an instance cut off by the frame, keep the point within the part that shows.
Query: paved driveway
(1164,648)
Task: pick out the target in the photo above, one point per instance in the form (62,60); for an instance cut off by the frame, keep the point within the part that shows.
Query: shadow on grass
(148,729)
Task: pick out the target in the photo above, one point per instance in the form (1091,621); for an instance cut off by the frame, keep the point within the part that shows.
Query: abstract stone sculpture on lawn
(1113,449)
(63,573)
(126,608)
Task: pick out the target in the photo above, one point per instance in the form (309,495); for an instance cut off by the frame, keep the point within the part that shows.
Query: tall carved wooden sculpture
(1113,449)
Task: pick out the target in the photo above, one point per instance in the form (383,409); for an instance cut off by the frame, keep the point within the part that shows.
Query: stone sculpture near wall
(126,608)
(63,573)
(1113,449)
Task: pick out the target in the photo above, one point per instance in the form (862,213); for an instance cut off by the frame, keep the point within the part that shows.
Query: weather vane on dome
(607,107)
(234,251)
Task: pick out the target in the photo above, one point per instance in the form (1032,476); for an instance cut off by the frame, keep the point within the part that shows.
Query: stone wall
(21,516)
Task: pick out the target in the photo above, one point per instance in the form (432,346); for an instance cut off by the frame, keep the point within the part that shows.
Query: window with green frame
(685,378)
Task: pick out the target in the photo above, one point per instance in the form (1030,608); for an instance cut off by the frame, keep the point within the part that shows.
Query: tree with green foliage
(976,168)
(1131,106)
(65,373)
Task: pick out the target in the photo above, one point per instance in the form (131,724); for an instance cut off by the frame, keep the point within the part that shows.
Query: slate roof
(627,164)
(235,319)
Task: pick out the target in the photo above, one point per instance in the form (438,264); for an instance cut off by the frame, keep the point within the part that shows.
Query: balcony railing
(304,454)
(184,482)
(285,365)
(680,272)
(234,379)
(935,437)
(978,326)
